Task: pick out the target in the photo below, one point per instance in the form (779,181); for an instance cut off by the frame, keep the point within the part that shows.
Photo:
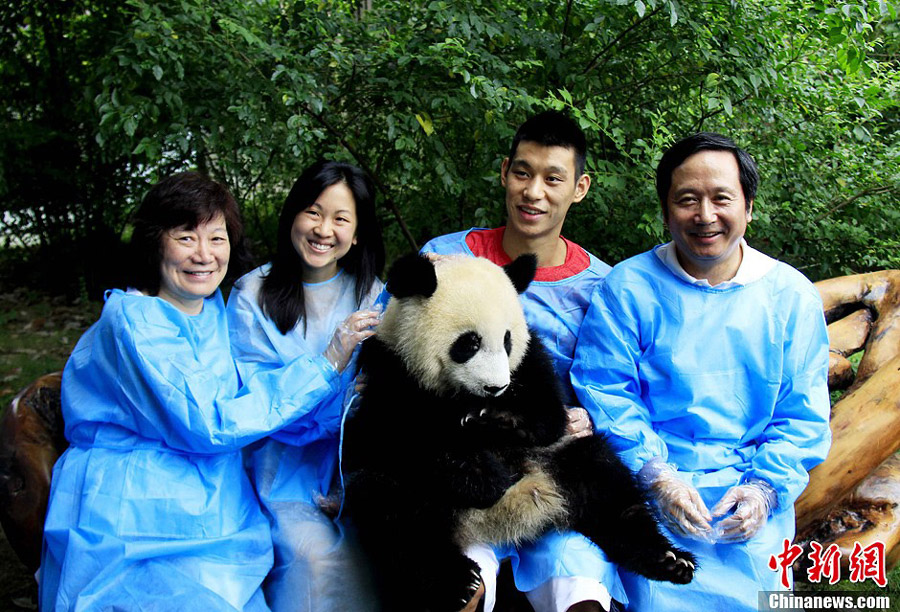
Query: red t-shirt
(489,244)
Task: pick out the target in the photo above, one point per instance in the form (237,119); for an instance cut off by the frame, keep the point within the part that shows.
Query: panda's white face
(480,365)
(468,337)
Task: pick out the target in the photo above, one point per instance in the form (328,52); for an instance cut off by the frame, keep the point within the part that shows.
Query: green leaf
(755,81)
(130,126)
(425,121)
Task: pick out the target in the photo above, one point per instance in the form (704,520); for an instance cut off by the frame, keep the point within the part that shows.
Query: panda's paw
(499,425)
(677,566)
(459,588)
(471,587)
(485,418)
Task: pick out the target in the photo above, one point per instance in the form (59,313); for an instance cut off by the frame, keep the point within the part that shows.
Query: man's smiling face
(541,185)
(707,214)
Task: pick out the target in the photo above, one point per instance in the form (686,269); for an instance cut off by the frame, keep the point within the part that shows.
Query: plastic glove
(751,503)
(579,423)
(679,503)
(355,328)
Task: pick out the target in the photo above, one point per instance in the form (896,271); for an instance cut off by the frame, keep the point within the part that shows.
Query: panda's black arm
(535,396)
(470,478)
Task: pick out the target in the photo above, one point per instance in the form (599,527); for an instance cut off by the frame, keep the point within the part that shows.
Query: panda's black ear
(521,271)
(412,275)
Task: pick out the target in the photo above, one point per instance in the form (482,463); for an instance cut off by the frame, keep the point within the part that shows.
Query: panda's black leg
(452,581)
(409,546)
(608,505)
(419,571)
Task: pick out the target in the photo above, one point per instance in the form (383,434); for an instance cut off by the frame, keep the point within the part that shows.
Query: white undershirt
(754,265)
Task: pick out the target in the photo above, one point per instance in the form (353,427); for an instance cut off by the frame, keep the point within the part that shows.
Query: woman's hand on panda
(354,329)
(578,424)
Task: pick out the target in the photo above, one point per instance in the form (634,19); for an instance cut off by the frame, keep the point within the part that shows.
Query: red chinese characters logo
(825,563)
(868,562)
(784,561)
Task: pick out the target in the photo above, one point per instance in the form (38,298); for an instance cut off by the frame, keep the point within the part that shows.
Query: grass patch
(37,334)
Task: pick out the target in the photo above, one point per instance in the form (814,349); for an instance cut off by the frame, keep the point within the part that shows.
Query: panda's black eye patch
(507,342)
(465,347)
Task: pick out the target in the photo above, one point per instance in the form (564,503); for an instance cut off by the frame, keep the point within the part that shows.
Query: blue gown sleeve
(605,377)
(255,354)
(798,436)
(195,407)
(252,348)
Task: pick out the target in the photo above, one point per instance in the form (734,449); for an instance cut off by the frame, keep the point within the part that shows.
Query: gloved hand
(355,328)
(579,423)
(751,502)
(679,503)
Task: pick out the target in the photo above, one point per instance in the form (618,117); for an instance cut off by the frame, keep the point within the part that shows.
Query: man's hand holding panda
(578,424)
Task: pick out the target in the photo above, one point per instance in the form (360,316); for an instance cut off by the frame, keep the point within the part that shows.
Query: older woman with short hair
(150,506)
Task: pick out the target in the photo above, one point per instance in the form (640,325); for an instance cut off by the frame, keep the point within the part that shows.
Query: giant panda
(458,438)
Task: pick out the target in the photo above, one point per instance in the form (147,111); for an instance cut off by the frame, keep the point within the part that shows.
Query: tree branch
(881,189)
(706,116)
(593,63)
(565,28)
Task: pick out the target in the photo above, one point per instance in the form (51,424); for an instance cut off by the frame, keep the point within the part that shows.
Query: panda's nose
(494,390)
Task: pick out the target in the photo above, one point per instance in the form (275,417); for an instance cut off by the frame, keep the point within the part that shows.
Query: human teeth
(319,246)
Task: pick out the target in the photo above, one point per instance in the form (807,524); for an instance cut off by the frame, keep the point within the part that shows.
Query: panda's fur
(459,439)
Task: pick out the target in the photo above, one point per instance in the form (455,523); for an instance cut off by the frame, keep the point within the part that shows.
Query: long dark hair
(185,199)
(281,296)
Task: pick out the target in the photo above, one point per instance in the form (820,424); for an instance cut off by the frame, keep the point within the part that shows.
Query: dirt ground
(18,591)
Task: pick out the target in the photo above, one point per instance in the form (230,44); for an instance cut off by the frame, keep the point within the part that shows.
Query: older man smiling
(706,362)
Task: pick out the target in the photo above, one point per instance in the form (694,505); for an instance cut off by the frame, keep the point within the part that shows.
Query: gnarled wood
(848,335)
(865,423)
(31,439)
(865,426)
(870,514)
(840,372)
(845,337)
(880,292)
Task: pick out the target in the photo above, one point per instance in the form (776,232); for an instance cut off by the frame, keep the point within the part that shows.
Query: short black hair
(553,129)
(186,199)
(705,141)
(281,297)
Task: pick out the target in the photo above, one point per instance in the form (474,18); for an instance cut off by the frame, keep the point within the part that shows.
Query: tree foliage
(104,98)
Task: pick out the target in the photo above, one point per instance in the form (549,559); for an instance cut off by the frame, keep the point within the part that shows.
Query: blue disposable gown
(150,506)
(315,569)
(725,384)
(555,310)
